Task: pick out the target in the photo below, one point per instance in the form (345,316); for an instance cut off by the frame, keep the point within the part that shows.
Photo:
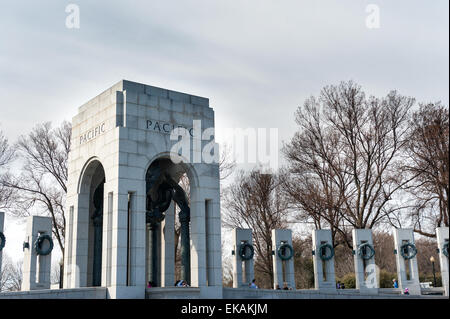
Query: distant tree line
(356,161)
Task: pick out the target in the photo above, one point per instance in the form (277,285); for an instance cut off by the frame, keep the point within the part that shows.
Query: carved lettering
(92,133)
(165,127)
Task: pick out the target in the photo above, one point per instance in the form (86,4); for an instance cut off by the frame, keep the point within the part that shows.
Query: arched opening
(168,222)
(90,218)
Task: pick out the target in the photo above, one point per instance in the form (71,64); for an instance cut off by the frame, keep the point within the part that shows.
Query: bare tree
(343,260)
(384,251)
(11,275)
(314,200)
(55,274)
(42,183)
(428,151)
(255,201)
(6,156)
(227,267)
(3,273)
(426,248)
(303,262)
(345,157)
(226,163)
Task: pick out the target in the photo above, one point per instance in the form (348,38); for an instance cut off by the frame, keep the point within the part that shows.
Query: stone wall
(173,293)
(228,293)
(246,293)
(78,293)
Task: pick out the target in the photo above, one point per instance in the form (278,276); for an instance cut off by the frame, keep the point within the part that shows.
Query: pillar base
(123,292)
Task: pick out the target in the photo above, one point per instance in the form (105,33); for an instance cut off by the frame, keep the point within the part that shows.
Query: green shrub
(386,279)
(348,280)
(430,278)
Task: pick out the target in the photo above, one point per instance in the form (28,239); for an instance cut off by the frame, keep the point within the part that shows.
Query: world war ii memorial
(130,146)
(218,159)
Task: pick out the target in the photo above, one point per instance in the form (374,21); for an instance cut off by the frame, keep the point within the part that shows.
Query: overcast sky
(255,60)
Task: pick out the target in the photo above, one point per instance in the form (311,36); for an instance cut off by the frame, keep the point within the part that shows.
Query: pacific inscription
(92,133)
(165,127)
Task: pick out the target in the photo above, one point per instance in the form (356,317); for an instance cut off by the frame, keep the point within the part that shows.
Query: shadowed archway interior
(92,186)
(162,190)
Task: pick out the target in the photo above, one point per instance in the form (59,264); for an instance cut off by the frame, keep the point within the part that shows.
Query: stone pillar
(442,240)
(324,276)
(407,271)
(364,258)
(36,268)
(2,243)
(70,269)
(241,237)
(281,240)
(213,246)
(168,248)
(127,260)
(206,261)
(198,242)
(80,243)
(107,235)
(153,252)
